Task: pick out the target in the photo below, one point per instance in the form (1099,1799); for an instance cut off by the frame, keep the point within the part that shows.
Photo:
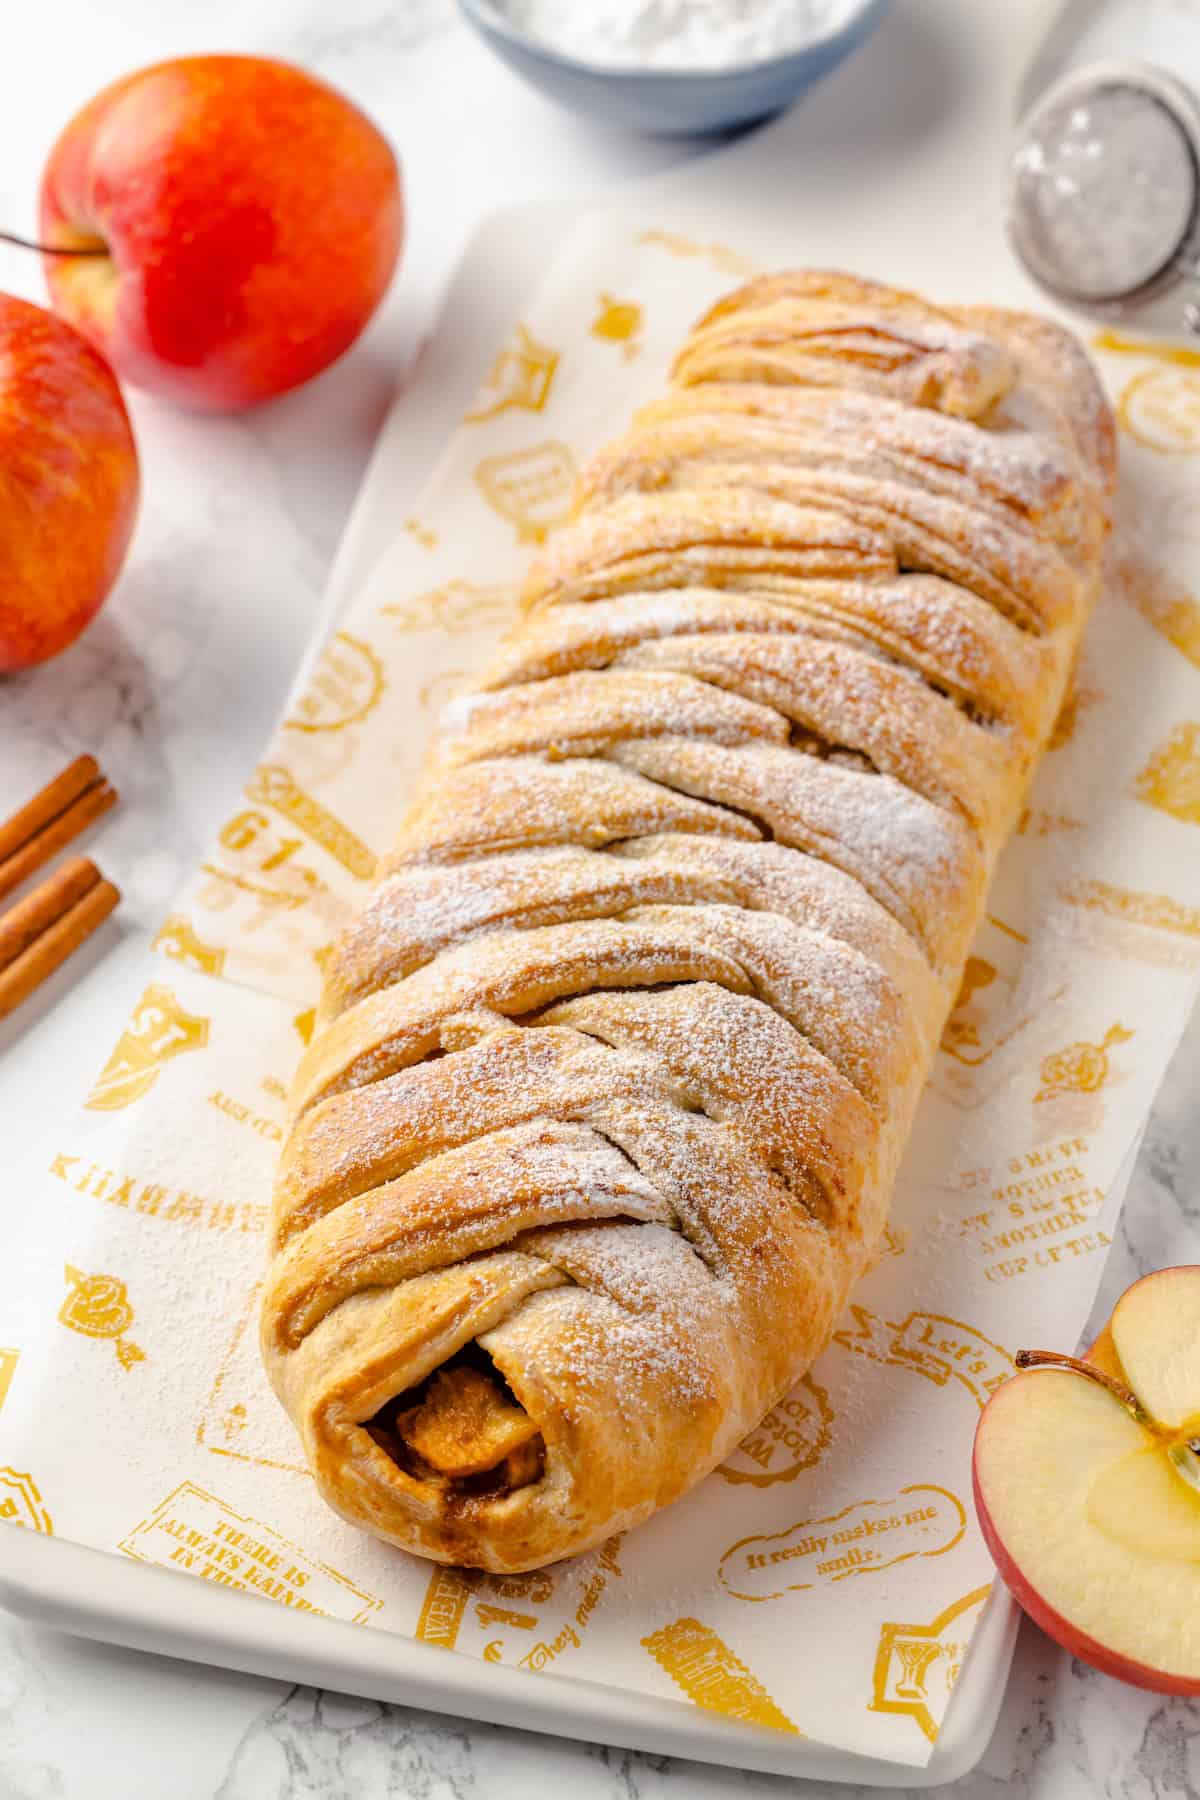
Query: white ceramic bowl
(673,102)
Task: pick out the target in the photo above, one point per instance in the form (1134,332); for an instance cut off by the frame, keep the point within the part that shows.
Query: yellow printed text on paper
(533,489)
(177,938)
(941,1349)
(444,1606)
(344,688)
(862,1539)
(153,1199)
(160,1029)
(194,1531)
(792,1436)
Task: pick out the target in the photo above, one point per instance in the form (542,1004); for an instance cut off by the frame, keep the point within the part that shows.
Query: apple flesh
(1086,1490)
(247,219)
(68,483)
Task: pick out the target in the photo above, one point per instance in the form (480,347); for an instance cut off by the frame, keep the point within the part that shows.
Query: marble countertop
(174,688)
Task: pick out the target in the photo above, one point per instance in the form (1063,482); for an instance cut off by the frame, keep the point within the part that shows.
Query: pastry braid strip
(613,1071)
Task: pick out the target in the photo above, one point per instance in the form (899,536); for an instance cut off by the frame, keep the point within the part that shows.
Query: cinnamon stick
(58,830)
(48,902)
(54,798)
(34,965)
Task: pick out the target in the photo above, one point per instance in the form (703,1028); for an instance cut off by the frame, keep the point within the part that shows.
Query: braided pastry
(613,1072)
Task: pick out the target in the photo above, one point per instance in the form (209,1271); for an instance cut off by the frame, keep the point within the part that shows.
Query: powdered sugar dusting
(647,992)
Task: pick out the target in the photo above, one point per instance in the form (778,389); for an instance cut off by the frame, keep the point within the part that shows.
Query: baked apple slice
(1087,1485)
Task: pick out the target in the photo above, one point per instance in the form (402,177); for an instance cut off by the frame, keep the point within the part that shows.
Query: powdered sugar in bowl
(674,67)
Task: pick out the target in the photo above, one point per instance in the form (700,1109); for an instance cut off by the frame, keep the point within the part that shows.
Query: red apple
(68,483)
(1087,1485)
(248,218)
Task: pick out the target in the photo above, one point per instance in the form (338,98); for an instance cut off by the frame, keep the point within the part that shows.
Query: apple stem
(1183,1455)
(24,243)
(1054,1359)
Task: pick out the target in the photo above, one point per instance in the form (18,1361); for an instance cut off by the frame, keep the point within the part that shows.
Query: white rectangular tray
(96,1594)
(100,1595)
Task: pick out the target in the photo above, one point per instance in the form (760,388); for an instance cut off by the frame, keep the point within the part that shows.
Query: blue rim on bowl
(673,101)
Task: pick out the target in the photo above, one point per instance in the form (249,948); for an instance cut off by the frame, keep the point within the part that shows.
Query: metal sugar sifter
(1104,199)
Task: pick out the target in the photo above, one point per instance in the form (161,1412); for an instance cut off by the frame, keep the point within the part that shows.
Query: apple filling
(462,1429)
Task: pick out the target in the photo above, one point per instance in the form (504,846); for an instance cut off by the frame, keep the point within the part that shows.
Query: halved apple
(1087,1485)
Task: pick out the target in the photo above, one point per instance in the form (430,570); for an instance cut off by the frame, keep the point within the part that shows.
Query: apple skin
(68,483)
(252,215)
(1070,1636)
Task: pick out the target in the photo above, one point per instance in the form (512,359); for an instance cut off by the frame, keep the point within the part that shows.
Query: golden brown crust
(614,1069)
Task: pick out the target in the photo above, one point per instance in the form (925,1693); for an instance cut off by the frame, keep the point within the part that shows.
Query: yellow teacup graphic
(962,1027)
(98,1306)
(521,376)
(991,1013)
